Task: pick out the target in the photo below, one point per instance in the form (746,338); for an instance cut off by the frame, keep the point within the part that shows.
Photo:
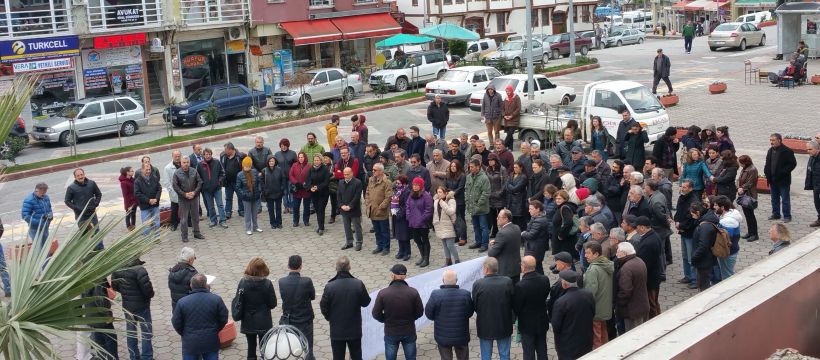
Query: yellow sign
(380,59)
(235,46)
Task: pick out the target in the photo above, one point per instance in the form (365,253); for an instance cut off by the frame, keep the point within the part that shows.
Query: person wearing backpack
(730,220)
(704,238)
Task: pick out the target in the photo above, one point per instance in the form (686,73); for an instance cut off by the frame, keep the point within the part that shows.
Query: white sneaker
(258,230)
(249,232)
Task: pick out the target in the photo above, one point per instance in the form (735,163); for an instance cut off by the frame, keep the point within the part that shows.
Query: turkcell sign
(42,65)
(40,48)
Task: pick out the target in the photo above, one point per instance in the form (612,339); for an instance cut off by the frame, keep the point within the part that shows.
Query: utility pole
(528,41)
(571,31)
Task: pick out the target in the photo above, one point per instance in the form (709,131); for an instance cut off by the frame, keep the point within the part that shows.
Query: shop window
(202,63)
(213,11)
(356,53)
(104,15)
(35,17)
(545,14)
(500,22)
(575,12)
(52,93)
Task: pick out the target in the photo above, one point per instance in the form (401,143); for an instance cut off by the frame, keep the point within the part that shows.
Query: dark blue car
(230,99)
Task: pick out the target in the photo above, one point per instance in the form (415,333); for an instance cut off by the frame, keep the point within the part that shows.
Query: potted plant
(717,87)
(815,79)
(763,185)
(669,100)
(796,142)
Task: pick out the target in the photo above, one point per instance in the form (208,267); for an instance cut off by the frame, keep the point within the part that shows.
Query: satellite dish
(284,342)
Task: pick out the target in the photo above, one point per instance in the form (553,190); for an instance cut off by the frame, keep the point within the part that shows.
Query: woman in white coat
(444,215)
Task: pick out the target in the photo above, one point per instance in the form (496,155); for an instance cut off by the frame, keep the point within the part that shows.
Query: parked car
(546,92)
(736,35)
(591,36)
(457,84)
(325,84)
(18,131)
(230,99)
(515,52)
(624,37)
(478,48)
(415,68)
(561,47)
(94,116)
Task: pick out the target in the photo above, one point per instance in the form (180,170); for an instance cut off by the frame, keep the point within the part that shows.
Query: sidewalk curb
(572,70)
(176,145)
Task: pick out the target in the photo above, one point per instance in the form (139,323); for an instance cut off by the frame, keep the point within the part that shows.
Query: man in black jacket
(297,292)
(398,306)
(231,160)
(813,176)
(341,304)
(649,249)
(148,192)
(704,238)
(83,196)
(438,115)
(780,162)
(450,308)
(627,121)
(213,178)
(572,318)
(493,297)
(179,275)
(506,247)
(136,289)
(530,305)
(686,228)
(349,194)
(198,318)
(660,69)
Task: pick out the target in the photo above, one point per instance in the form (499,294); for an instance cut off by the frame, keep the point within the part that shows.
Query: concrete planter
(669,100)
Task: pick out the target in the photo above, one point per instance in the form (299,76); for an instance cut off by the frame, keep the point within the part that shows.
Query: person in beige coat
(377,207)
(444,215)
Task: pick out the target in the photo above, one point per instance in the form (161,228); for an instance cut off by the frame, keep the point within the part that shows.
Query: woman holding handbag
(747,188)
(258,298)
(444,216)
(724,178)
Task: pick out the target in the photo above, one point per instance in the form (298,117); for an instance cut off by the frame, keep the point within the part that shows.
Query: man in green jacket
(312,147)
(688,33)
(476,196)
(598,280)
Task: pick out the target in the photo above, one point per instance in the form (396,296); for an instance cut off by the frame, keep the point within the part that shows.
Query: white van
(475,49)
(755,18)
(614,20)
(637,20)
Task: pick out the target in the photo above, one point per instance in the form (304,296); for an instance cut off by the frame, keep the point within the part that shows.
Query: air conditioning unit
(236,33)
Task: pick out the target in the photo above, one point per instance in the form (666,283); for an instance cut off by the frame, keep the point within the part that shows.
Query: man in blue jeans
(232,163)
(136,289)
(398,306)
(780,162)
(198,318)
(148,192)
(37,213)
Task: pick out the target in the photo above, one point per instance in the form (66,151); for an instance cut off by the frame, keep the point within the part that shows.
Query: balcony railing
(125,14)
(203,12)
(31,18)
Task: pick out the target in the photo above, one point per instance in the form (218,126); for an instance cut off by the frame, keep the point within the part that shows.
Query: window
(236,91)
(320,78)
(500,22)
(334,75)
(545,15)
(534,18)
(127,104)
(575,11)
(527,86)
(479,76)
(459,1)
(493,73)
(365,1)
(91,110)
(111,107)
(212,11)
(415,3)
(435,57)
(321,2)
(585,17)
(220,94)
(34,17)
(484,45)
(544,83)
(473,48)
(448,2)
(105,15)
(607,99)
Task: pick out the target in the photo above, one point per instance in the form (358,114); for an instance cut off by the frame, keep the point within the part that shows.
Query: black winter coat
(321,178)
(145,189)
(450,308)
(571,322)
(350,194)
(813,174)
(258,299)
(212,174)
(686,225)
(297,292)
(83,196)
(536,235)
(780,162)
(275,184)
(439,115)
(179,281)
(665,151)
(135,287)
(704,238)
(493,300)
(563,237)
(517,195)
(398,306)
(535,184)
(198,319)
(623,128)
(649,249)
(725,181)
(635,150)
(457,186)
(530,303)
(342,302)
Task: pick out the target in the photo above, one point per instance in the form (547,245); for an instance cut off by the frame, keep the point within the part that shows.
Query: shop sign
(235,46)
(128,14)
(40,48)
(133,76)
(95,78)
(113,41)
(61,80)
(102,58)
(194,61)
(43,65)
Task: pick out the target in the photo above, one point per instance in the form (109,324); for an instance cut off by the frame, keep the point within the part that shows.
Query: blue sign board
(39,48)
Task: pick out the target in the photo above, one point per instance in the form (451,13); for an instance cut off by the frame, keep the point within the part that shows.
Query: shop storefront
(113,72)
(202,63)
(53,60)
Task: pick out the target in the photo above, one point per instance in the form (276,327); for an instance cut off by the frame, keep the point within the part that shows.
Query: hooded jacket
(598,280)
(491,106)
(331,129)
(419,210)
(127,187)
(704,238)
(476,193)
(568,183)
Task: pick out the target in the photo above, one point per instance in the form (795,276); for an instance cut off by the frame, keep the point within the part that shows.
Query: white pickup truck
(601,98)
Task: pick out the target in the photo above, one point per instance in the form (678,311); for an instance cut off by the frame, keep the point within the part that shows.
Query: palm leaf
(13,100)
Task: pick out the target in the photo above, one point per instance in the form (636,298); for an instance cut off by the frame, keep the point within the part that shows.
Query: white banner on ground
(373,331)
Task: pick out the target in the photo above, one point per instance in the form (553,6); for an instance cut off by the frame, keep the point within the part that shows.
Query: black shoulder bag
(237,308)
(285,318)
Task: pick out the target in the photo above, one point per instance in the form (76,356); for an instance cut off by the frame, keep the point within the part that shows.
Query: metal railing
(201,12)
(45,19)
(103,16)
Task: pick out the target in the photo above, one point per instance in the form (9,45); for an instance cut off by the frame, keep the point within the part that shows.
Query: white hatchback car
(546,92)
(457,84)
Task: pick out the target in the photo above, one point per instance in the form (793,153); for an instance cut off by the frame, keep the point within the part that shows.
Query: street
(751,112)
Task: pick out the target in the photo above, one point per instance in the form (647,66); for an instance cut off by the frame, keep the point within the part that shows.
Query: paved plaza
(752,112)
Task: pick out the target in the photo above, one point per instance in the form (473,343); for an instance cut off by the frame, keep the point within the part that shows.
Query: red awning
(367,26)
(408,28)
(681,4)
(696,5)
(312,31)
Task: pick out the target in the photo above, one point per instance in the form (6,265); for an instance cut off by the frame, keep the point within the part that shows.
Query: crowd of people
(607,217)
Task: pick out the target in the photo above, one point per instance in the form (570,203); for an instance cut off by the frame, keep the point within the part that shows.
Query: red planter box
(669,100)
(165,216)
(718,88)
(815,79)
(21,250)
(797,145)
(228,334)
(763,186)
